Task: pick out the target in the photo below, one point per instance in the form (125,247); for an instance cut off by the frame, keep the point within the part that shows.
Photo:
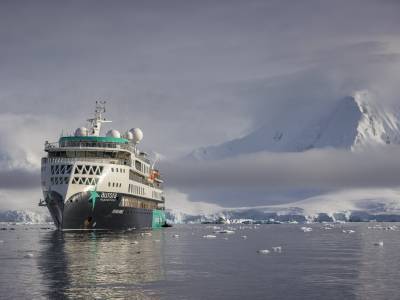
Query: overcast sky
(189,73)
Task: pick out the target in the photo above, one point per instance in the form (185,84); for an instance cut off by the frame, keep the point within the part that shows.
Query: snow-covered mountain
(23,216)
(350,205)
(354,122)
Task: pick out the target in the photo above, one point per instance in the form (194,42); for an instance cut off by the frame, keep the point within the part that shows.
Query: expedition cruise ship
(91,181)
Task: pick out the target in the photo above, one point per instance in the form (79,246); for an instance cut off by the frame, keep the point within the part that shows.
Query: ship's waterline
(101,182)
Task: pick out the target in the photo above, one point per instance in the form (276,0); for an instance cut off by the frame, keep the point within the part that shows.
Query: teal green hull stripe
(158,218)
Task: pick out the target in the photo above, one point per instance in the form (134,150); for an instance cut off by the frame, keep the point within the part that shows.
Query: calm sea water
(39,263)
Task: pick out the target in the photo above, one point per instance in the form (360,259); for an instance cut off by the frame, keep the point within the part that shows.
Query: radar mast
(95,123)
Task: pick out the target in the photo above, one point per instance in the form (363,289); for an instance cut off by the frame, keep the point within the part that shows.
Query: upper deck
(90,142)
(94,143)
(88,145)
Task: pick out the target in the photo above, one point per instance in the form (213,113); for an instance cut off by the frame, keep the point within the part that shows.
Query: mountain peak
(355,122)
(377,126)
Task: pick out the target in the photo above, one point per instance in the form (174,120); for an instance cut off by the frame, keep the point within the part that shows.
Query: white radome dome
(113,133)
(137,135)
(81,131)
(129,135)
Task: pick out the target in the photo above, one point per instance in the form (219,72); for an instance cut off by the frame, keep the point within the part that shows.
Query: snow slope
(355,122)
(376,203)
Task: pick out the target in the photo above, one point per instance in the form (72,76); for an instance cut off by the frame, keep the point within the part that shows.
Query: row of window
(127,201)
(85,180)
(90,154)
(114,184)
(88,144)
(120,170)
(88,169)
(60,169)
(134,189)
(156,195)
(59,180)
(141,167)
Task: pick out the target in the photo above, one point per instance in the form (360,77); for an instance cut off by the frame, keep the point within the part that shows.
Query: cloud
(19,179)
(179,203)
(314,169)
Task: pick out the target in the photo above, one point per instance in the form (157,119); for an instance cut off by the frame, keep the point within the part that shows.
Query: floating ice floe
(328,226)
(156,241)
(135,242)
(306,229)
(277,249)
(380,244)
(209,236)
(175,236)
(264,251)
(380,227)
(244,237)
(348,231)
(225,231)
(29,255)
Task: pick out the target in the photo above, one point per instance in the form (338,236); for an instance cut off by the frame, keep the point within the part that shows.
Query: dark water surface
(38,263)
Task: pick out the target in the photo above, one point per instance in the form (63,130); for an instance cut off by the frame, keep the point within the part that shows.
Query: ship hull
(84,211)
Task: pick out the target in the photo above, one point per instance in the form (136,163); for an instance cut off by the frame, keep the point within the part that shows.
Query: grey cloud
(314,169)
(20,179)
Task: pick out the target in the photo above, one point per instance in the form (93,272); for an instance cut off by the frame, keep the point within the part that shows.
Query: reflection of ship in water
(100,265)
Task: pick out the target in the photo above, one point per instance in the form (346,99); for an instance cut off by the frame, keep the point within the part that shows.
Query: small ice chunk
(175,236)
(264,251)
(135,242)
(277,249)
(29,255)
(225,231)
(209,236)
(348,231)
(244,237)
(156,241)
(148,233)
(380,244)
(306,229)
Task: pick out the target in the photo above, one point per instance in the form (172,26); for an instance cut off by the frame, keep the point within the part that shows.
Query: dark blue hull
(82,211)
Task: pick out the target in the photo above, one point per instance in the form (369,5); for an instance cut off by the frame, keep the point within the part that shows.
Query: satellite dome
(129,135)
(81,131)
(113,133)
(137,135)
